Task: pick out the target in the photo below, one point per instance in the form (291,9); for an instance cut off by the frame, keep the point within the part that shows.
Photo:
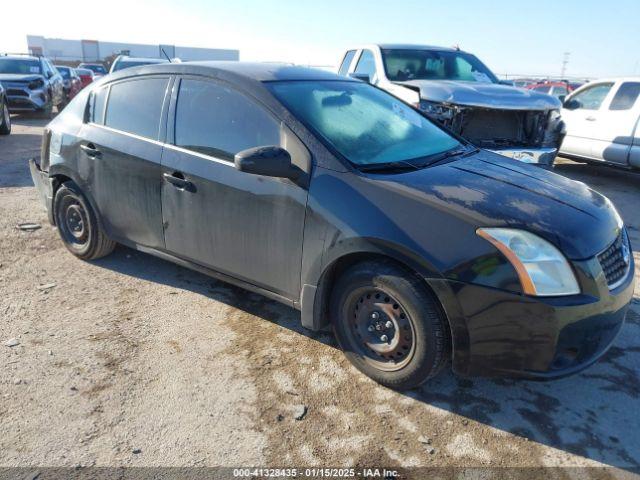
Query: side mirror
(571,104)
(561,98)
(270,161)
(363,77)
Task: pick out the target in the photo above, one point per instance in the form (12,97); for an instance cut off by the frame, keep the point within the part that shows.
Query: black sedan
(336,198)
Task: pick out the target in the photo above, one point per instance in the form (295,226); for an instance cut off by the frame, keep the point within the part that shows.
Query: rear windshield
(364,124)
(95,68)
(19,66)
(407,64)
(65,72)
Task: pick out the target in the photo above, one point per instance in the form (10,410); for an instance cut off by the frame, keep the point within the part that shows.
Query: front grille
(18,93)
(616,260)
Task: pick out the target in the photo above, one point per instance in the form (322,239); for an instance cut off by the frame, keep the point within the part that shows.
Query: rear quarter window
(135,106)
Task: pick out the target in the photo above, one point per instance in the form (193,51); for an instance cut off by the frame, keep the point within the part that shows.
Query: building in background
(64,50)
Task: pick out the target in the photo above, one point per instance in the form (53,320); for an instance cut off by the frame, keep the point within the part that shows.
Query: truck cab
(602,120)
(457,90)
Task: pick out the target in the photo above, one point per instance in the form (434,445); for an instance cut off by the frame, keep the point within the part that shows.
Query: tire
(78,225)
(416,346)
(5,120)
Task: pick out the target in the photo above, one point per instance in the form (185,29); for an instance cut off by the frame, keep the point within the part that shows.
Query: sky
(512,37)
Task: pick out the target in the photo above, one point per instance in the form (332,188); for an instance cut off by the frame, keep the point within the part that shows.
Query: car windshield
(19,66)
(364,124)
(134,63)
(406,64)
(95,68)
(64,71)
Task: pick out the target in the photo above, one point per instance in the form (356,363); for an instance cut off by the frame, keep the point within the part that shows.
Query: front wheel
(389,326)
(5,120)
(78,225)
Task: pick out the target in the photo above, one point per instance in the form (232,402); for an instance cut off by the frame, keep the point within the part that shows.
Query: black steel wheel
(5,119)
(78,225)
(389,326)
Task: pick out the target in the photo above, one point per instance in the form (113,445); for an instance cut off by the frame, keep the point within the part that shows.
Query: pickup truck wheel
(78,225)
(5,120)
(388,325)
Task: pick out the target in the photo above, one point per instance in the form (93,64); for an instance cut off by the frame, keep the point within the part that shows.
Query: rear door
(120,153)
(616,122)
(582,122)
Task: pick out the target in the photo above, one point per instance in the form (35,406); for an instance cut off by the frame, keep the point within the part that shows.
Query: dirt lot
(133,361)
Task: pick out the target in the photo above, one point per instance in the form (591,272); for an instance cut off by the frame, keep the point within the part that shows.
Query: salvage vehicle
(338,199)
(86,76)
(97,68)
(557,89)
(603,123)
(32,84)
(70,81)
(124,61)
(456,89)
(5,116)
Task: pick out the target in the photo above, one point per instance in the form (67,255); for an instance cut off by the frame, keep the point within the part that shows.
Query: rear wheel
(388,325)
(5,120)
(78,225)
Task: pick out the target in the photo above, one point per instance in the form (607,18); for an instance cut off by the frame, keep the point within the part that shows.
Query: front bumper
(498,333)
(44,187)
(543,157)
(22,99)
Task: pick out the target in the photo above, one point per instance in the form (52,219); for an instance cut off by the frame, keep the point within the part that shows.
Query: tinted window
(18,65)
(626,96)
(365,124)
(592,97)
(366,63)
(97,104)
(135,106)
(344,68)
(65,72)
(543,89)
(406,64)
(559,90)
(221,122)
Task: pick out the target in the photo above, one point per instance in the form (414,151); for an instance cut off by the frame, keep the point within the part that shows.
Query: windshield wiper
(388,167)
(456,152)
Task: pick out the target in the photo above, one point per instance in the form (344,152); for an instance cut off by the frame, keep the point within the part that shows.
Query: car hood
(489,190)
(19,77)
(481,94)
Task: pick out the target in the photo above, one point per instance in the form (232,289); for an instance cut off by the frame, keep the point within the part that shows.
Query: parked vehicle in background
(557,89)
(71,81)
(5,116)
(603,122)
(523,82)
(97,68)
(32,84)
(457,90)
(336,198)
(123,61)
(86,76)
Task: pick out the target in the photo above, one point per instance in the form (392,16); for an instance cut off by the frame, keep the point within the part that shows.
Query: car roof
(21,57)
(230,70)
(144,59)
(405,46)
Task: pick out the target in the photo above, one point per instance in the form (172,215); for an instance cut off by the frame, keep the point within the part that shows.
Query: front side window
(344,68)
(366,63)
(19,66)
(592,97)
(626,96)
(219,121)
(407,64)
(135,106)
(364,124)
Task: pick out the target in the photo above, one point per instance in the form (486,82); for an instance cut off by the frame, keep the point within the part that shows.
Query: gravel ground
(133,361)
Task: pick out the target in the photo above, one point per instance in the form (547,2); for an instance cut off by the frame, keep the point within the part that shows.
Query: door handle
(91,150)
(590,119)
(177,179)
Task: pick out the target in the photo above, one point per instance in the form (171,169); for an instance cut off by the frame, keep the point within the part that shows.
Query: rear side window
(135,106)
(97,104)
(626,96)
(344,68)
(218,121)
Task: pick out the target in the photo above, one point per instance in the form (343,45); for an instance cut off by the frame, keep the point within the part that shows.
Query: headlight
(436,110)
(542,269)
(35,84)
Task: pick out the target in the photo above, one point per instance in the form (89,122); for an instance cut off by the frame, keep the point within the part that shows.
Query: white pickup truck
(602,120)
(456,89)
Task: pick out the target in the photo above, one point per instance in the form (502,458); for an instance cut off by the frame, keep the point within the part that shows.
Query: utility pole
(565,62)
